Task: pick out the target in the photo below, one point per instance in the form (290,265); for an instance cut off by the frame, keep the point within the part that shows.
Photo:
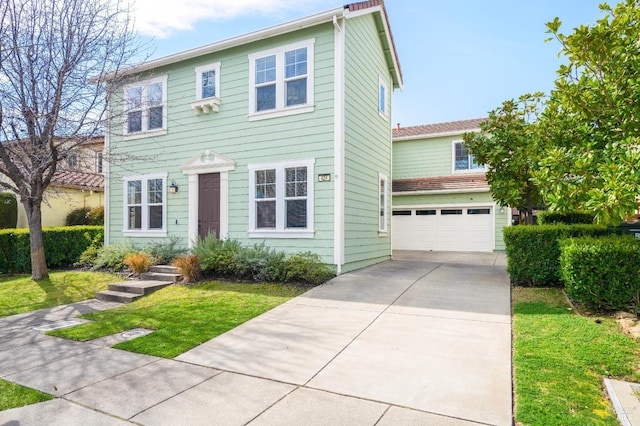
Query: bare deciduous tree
(56,58)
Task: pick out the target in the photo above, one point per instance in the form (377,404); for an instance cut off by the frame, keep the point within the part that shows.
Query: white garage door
(447,229)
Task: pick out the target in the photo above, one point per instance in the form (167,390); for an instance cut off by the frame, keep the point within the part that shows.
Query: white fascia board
(435,135)
(309,21)
(441,191)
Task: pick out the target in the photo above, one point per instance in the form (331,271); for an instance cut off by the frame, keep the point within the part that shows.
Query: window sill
(140,135)
(383,233)
(273,113)
(205,106)
(150,234)
(384,116)
(282,234)
(470,171)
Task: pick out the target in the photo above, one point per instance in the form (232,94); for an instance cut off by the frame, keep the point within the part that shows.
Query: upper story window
(463,159)
(281,81)
(281,200)
(383,99)
(99,162)
(145,204)
(72,160)
(382,205)
(146,106)
(207,89)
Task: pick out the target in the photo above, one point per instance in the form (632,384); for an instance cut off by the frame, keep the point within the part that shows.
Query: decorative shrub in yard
(568,218)
(85,216)
(189,267)
(259,263)
(138,262)
(533,251)
(602,273)
(62,246)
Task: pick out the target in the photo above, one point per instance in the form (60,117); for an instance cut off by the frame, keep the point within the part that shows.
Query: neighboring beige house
(79,182)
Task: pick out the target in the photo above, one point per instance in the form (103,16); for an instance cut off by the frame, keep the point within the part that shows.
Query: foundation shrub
(217,257)
(163,252)
(602,273)
(189,267)
(112,256)
(306,267)
(138,262)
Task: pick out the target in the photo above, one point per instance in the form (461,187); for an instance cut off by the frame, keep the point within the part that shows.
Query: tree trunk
(39,269)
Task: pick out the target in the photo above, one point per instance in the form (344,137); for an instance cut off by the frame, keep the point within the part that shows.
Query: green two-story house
(280,136)
(441,198)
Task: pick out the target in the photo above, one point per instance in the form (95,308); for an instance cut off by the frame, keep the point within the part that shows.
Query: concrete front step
(160,276)
(164,269)
(139,287)
(117,296)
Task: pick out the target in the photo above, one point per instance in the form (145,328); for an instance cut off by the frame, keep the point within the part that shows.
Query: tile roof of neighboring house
(79,180)
(450,127)
(441,183)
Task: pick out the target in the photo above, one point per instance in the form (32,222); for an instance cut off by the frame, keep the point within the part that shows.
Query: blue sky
(460,58)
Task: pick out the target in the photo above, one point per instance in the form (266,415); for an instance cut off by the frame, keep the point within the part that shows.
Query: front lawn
(560,359)
(13,396)
(183,316)
(20,294)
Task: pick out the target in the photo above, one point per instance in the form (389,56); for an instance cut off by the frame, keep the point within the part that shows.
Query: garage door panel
(444,228)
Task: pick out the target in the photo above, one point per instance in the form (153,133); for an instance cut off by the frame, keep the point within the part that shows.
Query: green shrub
(259,263)
(533,251)
(63,246)
(164,252)
(96,216)
(78,217)
(8,210)
(89,256)
(568,218)
(112,256)
(602,273)
(217,257)
(307,268)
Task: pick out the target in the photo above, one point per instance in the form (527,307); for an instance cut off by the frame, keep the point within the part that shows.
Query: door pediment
(208,162)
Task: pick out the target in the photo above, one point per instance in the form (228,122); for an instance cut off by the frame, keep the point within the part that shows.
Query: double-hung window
(99,162)
(145,204)
(463,159)
(382,202)
(281,199)
(146,106)
(281,81)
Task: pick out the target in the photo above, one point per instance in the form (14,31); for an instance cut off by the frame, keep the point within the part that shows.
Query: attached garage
(446,228)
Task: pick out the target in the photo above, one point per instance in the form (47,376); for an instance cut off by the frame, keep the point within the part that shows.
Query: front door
(209,204)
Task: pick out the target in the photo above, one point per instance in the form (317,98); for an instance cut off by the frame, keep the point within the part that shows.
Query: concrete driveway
(422,339)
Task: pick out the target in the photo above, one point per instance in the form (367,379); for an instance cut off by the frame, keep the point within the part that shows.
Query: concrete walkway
(422,339)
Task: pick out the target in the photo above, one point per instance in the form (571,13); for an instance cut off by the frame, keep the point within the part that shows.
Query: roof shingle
(441,183)
(460,126)
(77,179)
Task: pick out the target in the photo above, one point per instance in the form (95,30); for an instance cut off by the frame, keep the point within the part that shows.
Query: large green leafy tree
(509,145)
(592,120)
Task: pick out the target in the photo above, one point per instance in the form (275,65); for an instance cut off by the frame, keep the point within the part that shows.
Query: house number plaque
(326,177)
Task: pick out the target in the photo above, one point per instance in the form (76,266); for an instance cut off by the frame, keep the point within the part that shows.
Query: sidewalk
(416,340)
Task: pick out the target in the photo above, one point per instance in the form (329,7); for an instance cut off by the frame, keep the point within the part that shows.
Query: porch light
(173,188)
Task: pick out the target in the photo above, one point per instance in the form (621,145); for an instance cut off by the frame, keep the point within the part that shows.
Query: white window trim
(280,231)
(384,114)
(144,232)
(383,230)
(206,105)
(453,161)
(145,118)
(281,110)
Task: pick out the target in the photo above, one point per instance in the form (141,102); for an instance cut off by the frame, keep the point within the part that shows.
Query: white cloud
(160,18)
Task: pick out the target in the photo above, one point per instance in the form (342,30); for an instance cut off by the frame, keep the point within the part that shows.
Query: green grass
(183,316)
(14,396)
(560,359)
(20,294)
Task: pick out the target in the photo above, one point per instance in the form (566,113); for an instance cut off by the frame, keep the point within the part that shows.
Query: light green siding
(501,215)
(367,144)
(423,157)
(229,132)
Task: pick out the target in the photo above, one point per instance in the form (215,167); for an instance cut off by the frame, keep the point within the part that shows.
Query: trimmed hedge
(602,273)
(569,218)
(8,210)
(62,246)
(533,251)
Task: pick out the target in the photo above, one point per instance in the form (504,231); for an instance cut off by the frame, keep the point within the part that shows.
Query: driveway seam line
(370,324)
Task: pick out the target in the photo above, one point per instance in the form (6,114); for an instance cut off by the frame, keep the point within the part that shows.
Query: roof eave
(435,135)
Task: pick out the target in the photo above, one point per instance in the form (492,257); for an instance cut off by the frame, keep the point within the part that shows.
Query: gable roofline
(366,7)
(437,130)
